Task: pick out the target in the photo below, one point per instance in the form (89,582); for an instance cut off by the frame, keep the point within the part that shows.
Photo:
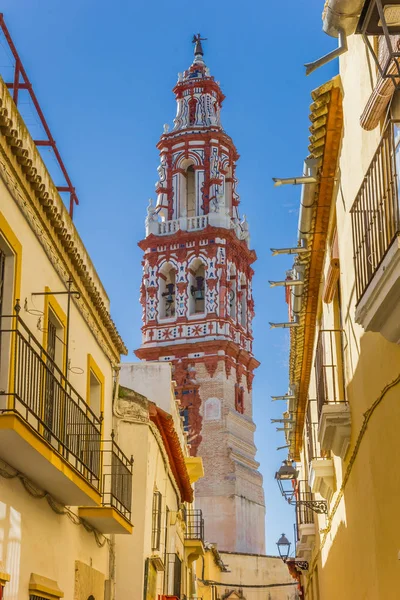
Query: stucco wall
(244,571)
(37,273)
(152,472)
(359,557)
(34,539)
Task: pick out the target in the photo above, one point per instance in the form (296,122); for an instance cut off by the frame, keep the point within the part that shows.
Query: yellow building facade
(343,412)
(78,473)
(158,561)
(63,478)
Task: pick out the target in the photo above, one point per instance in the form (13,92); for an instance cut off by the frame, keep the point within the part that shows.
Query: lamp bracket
(318,506)
(301,564)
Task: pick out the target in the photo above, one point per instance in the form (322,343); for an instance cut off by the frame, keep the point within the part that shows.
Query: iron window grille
(194,524)
(375,213)
(156,521)
(173,575)
(71,428)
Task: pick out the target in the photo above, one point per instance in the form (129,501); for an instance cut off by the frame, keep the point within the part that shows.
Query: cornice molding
(23,169)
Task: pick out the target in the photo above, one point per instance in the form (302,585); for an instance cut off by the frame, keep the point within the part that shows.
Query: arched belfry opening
(197,288)
(190,192)
(167,292)
(242,316)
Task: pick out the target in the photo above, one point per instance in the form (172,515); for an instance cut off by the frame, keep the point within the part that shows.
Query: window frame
(156,521)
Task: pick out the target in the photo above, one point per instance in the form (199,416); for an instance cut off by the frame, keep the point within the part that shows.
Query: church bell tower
(198,307)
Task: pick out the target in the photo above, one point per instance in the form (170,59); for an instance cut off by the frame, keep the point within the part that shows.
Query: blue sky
(103,73)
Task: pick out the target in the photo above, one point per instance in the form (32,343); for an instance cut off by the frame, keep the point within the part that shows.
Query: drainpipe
(339,20)
(341,49)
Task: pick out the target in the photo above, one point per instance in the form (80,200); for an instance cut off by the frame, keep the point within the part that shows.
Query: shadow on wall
(365,551)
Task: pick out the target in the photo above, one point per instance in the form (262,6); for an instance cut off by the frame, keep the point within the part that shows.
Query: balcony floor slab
(379,307)
(26,451)
(105,519)
(194,549)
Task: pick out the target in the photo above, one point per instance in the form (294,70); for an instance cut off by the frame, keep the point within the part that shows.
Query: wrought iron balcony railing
(194,524)
(304,500)
(375,212)
(313,445)
(329,371)
(117,478)
(32,386)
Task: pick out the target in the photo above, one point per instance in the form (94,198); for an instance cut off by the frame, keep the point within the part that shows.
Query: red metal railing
(20,81)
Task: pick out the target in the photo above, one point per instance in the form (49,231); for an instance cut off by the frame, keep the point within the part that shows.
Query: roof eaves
(326,117)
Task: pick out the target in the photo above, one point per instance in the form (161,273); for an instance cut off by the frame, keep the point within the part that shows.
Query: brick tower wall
(231,494)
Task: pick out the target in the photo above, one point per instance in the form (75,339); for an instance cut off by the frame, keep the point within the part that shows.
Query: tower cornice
(197,134)
(209,348)
(163,244)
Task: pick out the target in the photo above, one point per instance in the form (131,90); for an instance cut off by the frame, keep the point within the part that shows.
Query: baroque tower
(198,307)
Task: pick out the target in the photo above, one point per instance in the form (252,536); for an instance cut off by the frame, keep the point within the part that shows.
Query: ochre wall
(359,556)
(244,571)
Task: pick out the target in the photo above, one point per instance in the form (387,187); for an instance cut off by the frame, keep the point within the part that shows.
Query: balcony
(194,534)
(114,515)
(305,526)
(321,477)
(197,223)
(183,224)
(48,432)
(333,411)
(376,243)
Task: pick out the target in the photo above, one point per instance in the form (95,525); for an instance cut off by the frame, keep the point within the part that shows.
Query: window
(192,111)
(2,278)
(7,278)
(94,386)
(232,295)
(239,398)
(94,393)
(190,192)
(55,350)
(173,575)
(185,417)
(242,306)
(197,290)
(156,522)
(167,293)
(41,588)
(55,330)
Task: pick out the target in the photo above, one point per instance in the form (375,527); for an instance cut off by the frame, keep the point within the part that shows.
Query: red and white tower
(198,307)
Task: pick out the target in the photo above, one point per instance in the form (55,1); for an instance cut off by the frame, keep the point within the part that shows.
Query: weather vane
(198,48)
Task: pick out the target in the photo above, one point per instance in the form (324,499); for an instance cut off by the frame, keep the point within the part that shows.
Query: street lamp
(285,477)
(283,545)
